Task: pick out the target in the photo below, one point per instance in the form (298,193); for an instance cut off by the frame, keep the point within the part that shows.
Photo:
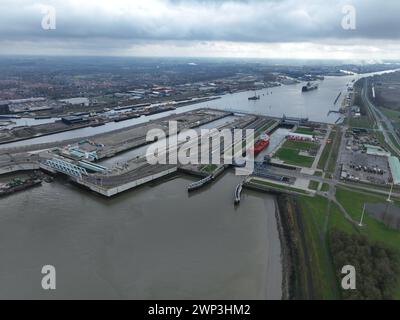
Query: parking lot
(358,166)
(361,166)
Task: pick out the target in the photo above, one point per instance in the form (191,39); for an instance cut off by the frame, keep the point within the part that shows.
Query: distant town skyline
(290,29)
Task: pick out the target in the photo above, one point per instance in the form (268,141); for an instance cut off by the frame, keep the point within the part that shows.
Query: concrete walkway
(321,149)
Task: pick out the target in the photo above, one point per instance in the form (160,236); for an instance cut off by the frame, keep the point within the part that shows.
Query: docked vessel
(42,117)
(17,185)
(156,110)
(255,97)
(309,87)
(97,124)
(261,144)
(127,117)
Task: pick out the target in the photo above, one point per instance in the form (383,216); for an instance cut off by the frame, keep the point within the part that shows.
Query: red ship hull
(260,145)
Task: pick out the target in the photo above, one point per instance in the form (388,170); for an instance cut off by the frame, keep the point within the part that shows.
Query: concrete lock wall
(114,191)
(19,167)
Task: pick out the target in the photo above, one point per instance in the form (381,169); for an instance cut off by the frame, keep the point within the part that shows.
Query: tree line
(377,267)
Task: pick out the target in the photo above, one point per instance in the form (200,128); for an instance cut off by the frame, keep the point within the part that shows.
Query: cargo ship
(42,117)
(309,87)
(97,124)
(261,144)
(127,117)
(156,110)
(255,97)
(17,185)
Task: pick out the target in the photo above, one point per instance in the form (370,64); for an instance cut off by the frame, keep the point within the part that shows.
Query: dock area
(81,161)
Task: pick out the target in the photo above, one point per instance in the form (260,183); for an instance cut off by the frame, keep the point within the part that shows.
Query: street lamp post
(362,218)
(389,199)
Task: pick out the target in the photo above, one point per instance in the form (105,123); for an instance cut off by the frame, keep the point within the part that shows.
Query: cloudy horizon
(288,29)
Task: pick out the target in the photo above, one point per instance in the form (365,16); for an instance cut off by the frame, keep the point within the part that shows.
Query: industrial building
(394,164)
(74,120)
(4,108)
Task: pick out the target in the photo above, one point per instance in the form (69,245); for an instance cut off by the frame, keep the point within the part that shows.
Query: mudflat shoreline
(285,253)
(297,281)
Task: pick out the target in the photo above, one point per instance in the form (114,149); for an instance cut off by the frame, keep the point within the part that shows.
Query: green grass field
(315,214)
(327,150)
(361,122)
(304,130)
(292,157)
(313,185)
(393,115)
(318,174)
(289,153)
(332,157)
(277,186)
(325,187)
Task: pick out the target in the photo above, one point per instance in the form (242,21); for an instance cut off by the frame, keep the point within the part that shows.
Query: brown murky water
(156,242)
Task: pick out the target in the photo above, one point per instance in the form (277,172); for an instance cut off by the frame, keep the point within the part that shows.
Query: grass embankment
(289,153)
(393,115)
(315,214)
(276,186)
(210,168)
(327,150)
(334,153)
(364,122)
(361,184)
(319,221)
(305,221)
(297,272)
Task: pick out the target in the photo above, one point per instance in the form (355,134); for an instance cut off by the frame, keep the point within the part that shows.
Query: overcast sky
(210,28)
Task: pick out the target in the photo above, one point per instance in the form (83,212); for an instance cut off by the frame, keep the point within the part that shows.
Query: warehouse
(74,120)
(394,164)
(4,108)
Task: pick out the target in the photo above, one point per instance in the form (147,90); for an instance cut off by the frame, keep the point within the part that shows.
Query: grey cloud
(201,20)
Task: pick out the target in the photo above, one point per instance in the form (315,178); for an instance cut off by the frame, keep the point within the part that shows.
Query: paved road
(321,149)
(381,118)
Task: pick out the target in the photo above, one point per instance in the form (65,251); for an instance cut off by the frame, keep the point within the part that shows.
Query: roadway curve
(381,118)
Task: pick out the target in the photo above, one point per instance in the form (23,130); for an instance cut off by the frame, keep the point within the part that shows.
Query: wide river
(278,101)
(156,241)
